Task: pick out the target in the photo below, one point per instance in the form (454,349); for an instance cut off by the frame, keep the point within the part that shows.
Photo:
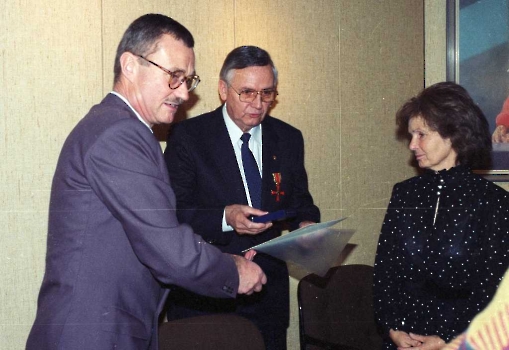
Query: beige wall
(435,41)
(345,67)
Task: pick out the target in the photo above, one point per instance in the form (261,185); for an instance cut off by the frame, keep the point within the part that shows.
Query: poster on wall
(478,59)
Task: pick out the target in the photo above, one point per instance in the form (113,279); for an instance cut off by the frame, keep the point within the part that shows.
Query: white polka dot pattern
(442,251)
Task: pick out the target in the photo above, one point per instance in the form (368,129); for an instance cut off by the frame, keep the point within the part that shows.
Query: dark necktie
(253,179)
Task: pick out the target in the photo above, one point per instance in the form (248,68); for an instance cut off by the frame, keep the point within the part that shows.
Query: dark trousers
(274,339)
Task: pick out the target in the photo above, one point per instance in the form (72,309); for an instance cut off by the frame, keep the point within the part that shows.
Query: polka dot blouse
(441,254)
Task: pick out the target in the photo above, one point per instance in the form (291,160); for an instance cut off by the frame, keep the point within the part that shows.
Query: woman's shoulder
(489,186)
(412,182)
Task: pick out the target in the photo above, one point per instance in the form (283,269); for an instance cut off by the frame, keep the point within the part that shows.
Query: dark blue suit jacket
(114,239)
(205,176)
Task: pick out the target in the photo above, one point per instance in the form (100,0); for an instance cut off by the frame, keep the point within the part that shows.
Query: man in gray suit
(113,237)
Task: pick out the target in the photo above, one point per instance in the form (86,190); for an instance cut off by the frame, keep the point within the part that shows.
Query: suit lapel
(224,156)
(271,164)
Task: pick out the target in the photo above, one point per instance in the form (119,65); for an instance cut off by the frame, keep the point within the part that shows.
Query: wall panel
(381,55)
(50,76)
(435,41)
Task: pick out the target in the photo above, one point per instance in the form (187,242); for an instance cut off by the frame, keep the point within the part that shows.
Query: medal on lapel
(277,180)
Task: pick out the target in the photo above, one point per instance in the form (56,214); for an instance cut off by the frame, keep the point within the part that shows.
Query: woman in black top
(444,242)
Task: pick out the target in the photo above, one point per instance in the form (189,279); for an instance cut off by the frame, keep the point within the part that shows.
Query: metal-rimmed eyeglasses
(248,95)
(177,78)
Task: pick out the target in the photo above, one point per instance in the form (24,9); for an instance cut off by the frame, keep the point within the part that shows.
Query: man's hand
(237,216)
(306,223)
(250,254)
(251,276)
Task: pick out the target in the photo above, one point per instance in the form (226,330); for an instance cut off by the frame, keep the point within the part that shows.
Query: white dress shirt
(255,145)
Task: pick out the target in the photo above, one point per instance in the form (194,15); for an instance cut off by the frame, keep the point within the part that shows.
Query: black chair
(210,332)
(336,311)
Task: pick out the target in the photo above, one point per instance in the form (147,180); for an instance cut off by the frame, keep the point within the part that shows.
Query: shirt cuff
(226,227)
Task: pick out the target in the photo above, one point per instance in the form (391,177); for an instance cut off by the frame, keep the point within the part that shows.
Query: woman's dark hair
(243,57)
(142,35)
(448,109)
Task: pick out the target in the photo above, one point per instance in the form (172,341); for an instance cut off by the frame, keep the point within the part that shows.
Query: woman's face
(430,149)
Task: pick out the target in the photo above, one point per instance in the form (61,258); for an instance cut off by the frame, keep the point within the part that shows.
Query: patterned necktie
(251,171)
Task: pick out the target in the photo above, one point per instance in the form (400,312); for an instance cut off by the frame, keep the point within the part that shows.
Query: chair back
(336,311)
(210,332)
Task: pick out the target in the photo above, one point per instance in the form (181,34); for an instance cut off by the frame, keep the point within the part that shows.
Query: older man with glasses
(231,165)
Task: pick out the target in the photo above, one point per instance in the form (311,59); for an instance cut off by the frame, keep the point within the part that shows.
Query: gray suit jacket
(114,239)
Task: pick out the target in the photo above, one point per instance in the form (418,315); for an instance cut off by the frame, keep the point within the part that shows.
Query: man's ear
(223,90)
(129,65)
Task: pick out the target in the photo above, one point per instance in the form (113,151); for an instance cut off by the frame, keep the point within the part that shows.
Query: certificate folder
(315,247)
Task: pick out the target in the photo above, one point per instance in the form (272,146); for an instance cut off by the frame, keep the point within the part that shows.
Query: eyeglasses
(177,78)
(248,95)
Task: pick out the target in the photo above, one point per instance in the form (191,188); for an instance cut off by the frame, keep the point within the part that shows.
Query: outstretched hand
(251,276)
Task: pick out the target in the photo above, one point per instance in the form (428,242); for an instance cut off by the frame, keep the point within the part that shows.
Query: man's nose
(257,103)
(182,92)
